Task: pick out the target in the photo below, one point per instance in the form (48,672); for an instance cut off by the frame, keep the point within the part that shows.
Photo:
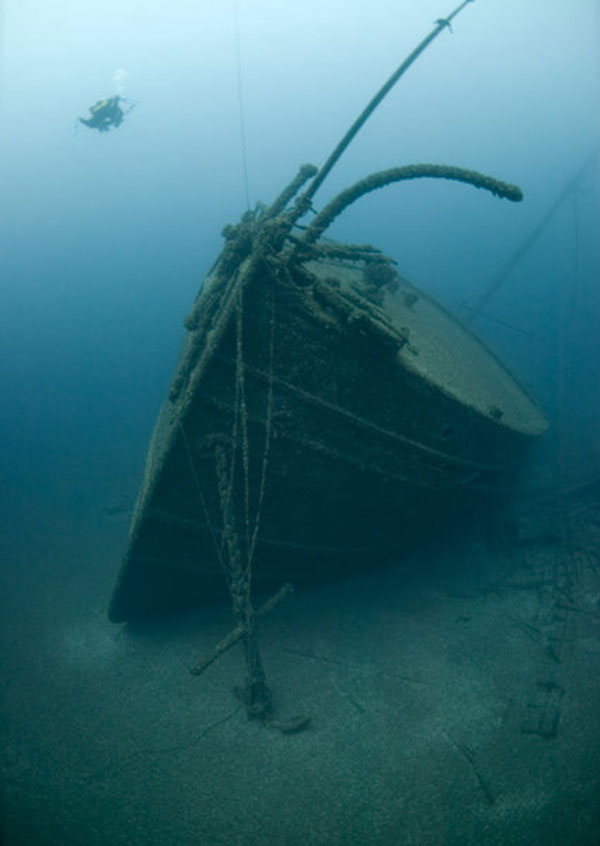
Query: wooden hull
(326,418)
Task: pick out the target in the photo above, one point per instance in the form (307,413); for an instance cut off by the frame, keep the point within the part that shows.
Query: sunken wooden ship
(325,413)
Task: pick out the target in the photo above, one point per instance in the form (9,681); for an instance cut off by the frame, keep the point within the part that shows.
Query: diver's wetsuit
(104,114)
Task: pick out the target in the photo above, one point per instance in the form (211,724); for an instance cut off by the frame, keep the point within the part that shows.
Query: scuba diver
(107,113)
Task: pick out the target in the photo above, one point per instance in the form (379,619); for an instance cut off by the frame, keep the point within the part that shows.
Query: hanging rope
(242,410)
(238,66)
(268,427)
(240,431)
(236,551)
(255,693)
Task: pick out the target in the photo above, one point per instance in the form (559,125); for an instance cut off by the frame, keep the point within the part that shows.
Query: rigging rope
(441,24)
(240,391)
(570,187)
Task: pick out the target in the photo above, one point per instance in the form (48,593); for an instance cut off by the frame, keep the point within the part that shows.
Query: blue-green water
(104,241)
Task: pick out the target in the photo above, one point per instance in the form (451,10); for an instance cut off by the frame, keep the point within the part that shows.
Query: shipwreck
(324,414)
